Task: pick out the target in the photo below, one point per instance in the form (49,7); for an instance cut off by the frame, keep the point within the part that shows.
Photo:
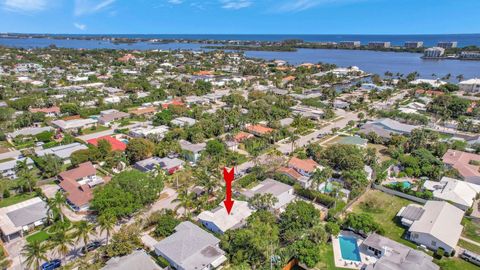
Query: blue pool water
(349,248)
(405,184)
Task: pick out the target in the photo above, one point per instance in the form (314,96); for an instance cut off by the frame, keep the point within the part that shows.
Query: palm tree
(55,204)
(320,176)
(83,231)
(293,139)
(185,200)
(61,241)
(106,222)
(35,253)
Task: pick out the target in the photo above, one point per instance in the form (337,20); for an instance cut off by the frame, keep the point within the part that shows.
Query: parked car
(90,247)
(53,264)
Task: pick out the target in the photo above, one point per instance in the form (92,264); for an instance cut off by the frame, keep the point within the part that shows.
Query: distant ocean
(429,40)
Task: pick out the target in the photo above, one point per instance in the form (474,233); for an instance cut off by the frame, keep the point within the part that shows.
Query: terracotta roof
(77,194)
(144,110)
(288,78)
(53,109)
(461,161)
(204,72)
(307,165)
(259,129)
(429,92)
(290,172)
(116,144)
(241,136)
(126,58)
(175,102)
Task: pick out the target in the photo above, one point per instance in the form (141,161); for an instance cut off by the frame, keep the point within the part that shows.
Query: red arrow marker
(228,176)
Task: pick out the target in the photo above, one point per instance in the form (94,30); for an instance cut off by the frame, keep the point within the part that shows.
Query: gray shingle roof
(28,215)
(138,260)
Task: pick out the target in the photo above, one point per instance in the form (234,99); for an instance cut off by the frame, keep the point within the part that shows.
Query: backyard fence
(399,194)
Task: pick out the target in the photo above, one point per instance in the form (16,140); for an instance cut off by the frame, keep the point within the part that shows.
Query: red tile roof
(241,136)
(174,102)
(53,109)
(290,173)
(116,144)
(307,165)
(77,194)
(259,129)
(144,110)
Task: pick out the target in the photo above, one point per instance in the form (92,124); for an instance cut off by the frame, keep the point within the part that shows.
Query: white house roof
(138,260)
(224,221)
(441,220)
(471,81)
(281,191)
(191,247)
(29,131)
(456,191)
(63,151)
(72,124)
(10,165)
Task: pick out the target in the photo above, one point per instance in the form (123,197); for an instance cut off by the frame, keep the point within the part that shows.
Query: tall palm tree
(83,231)
(185,200)
(107,223)
(35,253)
(61,242)
(55,204)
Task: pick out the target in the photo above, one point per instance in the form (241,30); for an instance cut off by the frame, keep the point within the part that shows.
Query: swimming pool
(349,248)
(405,184)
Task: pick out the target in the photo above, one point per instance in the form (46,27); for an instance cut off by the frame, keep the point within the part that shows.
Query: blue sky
(240,16)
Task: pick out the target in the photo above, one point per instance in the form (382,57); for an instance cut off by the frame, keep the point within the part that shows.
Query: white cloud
(24,5)
(80,26)
(175,2)
(85,7)
(300,5)
(235,4)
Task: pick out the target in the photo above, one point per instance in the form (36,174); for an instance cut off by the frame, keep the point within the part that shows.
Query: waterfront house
(219,221)
(470,86)
(199,249)
(437,224)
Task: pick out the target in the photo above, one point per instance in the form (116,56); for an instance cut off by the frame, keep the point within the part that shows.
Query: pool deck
(341,263)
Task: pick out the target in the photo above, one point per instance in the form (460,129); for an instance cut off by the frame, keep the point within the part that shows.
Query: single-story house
(241,136)
(354,140)
(467,164)
(170,165)
(393,255)
(143,132)
(7,169)
(219,221)
(116,144)
(199,249)
(437,224)
(183,121)
(460,193)
(143,111)
(192,151)
(63,151)
(49,112)
(19,218)
(74,124)
(109,116)
(137,260)
(78,183)
(259,130)
(281,191)
(385,127)
(29,131)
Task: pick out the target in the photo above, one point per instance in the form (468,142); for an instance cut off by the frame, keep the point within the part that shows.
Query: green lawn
(466,245)
(16,199)
(384,207)
(95,130)
(38,236)
(455,264)
(471,229)
(327,262)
